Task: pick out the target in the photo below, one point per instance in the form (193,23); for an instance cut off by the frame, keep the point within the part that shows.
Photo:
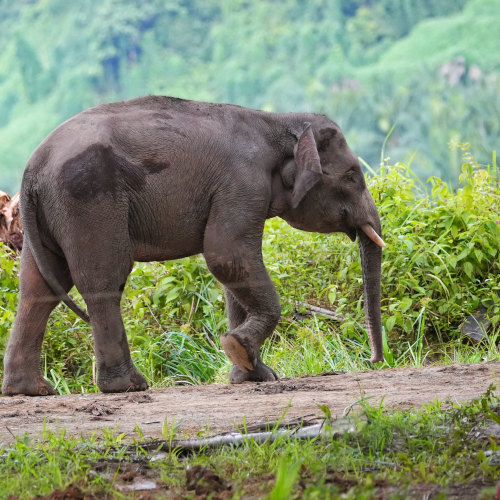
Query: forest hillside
(430,69)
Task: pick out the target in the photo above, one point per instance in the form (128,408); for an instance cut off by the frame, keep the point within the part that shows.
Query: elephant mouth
(351,232)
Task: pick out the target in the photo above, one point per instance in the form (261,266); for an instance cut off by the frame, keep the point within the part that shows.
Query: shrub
(442,259)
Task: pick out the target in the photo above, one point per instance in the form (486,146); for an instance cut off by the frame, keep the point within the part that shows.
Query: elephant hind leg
(101,282)
(22,370)
(116,371)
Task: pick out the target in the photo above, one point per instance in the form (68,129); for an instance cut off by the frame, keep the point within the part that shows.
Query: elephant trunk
(370,246)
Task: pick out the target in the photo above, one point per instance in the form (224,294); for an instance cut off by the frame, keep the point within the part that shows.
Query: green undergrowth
(443,448)
(441,264)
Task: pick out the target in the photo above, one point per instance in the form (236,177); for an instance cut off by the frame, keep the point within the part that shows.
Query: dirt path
(220,407)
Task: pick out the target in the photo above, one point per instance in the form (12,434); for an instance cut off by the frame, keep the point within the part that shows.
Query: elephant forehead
(338,161)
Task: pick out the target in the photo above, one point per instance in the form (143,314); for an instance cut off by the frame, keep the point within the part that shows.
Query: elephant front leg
(236,316)
(253,305)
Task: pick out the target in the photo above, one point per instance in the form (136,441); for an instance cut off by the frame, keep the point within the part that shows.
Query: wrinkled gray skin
(158,178)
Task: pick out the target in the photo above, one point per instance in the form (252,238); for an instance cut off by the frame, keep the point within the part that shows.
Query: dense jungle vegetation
(431,69)
(370,65)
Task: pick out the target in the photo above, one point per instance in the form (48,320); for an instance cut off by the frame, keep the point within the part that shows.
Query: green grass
(385,454)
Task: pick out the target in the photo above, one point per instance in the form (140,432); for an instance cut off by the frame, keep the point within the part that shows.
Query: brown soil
(220,408)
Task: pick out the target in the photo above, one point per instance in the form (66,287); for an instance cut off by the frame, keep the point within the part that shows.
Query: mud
(221,408)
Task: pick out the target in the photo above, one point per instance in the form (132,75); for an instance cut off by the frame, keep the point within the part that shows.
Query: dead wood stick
(234,439)
(321,430)
(318,310)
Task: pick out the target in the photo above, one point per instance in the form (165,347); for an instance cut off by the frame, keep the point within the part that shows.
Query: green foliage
(441,264)
(183,297)
(28,471)
(443,250)
(366,64)
(287,475)
(8,292)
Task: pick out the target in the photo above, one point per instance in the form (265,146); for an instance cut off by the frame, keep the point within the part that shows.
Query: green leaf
(463,254)
(326,411)
(493,416)
(168,279)
(406,303)
(390,322)
(468,269)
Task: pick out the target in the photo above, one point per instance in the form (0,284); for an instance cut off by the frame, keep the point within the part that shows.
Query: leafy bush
(174,313)
(441,263)
(8,292)
(443,253)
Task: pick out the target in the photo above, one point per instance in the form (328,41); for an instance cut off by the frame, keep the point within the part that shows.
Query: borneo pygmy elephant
(159,178)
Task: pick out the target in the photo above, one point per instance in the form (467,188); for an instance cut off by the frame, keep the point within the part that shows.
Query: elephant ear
(308,164)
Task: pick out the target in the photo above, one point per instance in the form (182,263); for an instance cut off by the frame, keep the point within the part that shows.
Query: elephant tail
(32,238)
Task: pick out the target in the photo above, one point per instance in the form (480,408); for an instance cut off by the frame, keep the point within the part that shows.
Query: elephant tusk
(372,234)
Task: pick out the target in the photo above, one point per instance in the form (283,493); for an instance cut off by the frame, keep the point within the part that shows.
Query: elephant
(157,178)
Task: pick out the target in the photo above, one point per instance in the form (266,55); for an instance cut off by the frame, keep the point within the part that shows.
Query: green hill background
(431,69)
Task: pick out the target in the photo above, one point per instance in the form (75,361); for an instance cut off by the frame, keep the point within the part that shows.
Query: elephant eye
(350,176)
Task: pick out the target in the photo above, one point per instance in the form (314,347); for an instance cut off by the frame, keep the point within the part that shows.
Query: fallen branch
(310,310)
(323,429)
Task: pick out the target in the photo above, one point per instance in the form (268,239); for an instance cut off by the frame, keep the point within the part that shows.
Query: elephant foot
(120,380)
(261,373)
(34,386)
(237,352)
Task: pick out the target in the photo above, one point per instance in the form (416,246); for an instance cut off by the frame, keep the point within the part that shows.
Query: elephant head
(327,193)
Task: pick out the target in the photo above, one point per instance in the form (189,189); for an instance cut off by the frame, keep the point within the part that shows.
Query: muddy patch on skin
(100,170)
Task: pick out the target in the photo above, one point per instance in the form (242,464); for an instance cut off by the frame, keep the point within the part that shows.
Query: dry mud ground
(221,408)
